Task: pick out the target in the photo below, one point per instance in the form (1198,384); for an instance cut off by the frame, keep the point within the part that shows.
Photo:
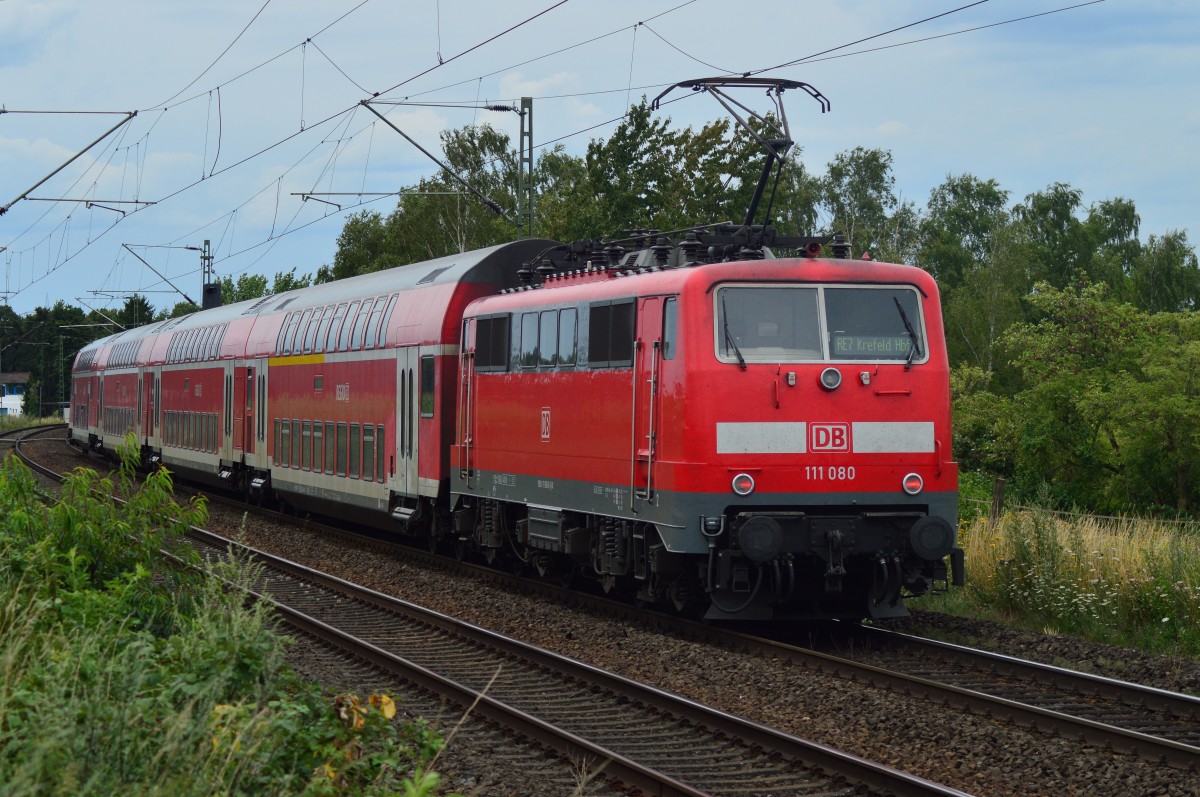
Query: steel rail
(814,756)
(877,776)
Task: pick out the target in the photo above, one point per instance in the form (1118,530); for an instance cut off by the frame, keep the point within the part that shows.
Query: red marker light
(743,484)
(913,484)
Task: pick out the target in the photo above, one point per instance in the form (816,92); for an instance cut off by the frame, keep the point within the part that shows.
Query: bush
(1122,581)
(120,675)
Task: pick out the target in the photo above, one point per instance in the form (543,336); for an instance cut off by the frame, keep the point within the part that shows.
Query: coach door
(647,410)
(407,409)
(243,410)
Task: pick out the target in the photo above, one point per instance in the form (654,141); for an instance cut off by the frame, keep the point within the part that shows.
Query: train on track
(686,419)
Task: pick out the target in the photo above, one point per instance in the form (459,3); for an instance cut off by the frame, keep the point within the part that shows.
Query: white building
(12,391)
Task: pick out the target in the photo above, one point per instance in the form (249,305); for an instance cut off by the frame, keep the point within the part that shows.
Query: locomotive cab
(752,439)
(834,436)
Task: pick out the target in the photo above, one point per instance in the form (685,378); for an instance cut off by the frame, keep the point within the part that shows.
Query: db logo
(829,437)
(545,423)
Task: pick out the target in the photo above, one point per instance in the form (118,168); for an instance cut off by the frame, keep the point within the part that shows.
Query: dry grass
(1123,580)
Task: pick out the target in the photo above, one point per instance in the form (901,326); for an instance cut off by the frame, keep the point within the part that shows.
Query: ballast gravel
(942,743)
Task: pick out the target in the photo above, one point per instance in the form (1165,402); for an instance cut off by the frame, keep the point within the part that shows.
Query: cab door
(465,417)
(647,409)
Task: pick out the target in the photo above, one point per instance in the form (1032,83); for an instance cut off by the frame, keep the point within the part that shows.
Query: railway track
(651,740)
(1154,724)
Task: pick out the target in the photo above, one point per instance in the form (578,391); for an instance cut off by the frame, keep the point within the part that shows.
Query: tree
(1060,246)
(1109,414)
(1165,275)
(961,218)
(136,312)
(248,286)
(858,195)
(987,300)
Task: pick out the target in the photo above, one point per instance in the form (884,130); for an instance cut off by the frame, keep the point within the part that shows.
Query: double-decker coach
(334,398)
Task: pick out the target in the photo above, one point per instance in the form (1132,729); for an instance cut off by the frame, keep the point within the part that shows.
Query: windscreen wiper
(916,346)
(729,341)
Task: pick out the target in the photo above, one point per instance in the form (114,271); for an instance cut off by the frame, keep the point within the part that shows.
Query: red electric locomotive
(763,438)
(692,421)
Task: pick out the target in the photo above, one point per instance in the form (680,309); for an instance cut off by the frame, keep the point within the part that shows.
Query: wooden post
(997,500)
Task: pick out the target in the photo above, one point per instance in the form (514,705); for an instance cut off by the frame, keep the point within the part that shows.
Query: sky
(243,107)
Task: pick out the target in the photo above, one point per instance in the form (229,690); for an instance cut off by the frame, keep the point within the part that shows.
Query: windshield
(788,323)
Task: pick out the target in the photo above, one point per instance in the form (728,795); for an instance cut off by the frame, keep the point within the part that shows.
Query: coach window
(335,327)
(279,338)
(201,347)
(329,446)
(380,453)
(610,334)
(341,449)
(368,453)
(306,444)
(285,334)
(491,343)
(296,344)
(296,439)
(323,329)
(310,333)
(387,319)
(318,447)
(354,450)
(360,323)
(670,319)
(529,340)
(426,387)
(548,338)
(285,449)
(344,337)
(566,336)
(210,352)
(373,324)
(290,334)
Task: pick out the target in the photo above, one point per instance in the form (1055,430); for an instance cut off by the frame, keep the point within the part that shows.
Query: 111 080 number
(841,473)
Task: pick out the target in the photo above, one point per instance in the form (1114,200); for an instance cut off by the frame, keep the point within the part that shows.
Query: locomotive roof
(496,265)
(601,283)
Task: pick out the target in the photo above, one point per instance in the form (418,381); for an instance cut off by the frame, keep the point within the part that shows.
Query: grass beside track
(121,676)
(1122,581)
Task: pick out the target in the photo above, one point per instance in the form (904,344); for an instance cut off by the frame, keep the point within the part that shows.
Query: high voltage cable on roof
(869,38)
(70,256)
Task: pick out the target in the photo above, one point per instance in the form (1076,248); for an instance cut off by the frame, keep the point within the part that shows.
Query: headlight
(913,483)
(831,378)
